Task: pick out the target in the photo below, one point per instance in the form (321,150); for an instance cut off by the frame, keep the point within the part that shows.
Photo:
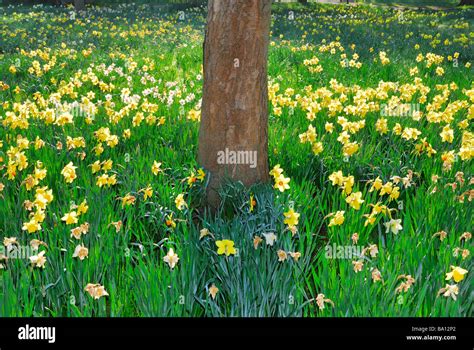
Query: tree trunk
(79,5)
(235,94)
(466,2)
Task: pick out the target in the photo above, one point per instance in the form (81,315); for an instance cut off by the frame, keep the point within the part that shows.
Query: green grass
(129,263)
(434,3)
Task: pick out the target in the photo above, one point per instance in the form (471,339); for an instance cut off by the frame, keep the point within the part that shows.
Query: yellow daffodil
(180,202)
(337,218)
(156,168)
(82,208)
(69,172)
(31,226)
(226,247)
(170,221)
(276,171)
(281,183)
(128,200)
(147,192)
(70,218)
(252,203)
(355,200)
(457,273)
(291,217)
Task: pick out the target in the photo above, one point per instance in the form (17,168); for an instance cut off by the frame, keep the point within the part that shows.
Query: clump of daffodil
(346,183)
(192,178)
(77,232)
(310,137)
(106,180)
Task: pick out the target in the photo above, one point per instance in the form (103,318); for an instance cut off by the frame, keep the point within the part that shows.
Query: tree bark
(79,5)
(235,95)
(466,2)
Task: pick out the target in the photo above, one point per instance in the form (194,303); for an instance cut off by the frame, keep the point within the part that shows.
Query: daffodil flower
(457,273)
(226,247)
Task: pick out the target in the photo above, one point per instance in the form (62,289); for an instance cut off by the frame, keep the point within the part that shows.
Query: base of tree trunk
(233,135)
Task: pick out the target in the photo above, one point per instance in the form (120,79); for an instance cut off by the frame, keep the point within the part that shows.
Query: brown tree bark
(466,2)
(79,5)
(235,94)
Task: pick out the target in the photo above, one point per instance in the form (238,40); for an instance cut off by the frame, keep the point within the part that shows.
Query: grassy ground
(137,73)
(417,3)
